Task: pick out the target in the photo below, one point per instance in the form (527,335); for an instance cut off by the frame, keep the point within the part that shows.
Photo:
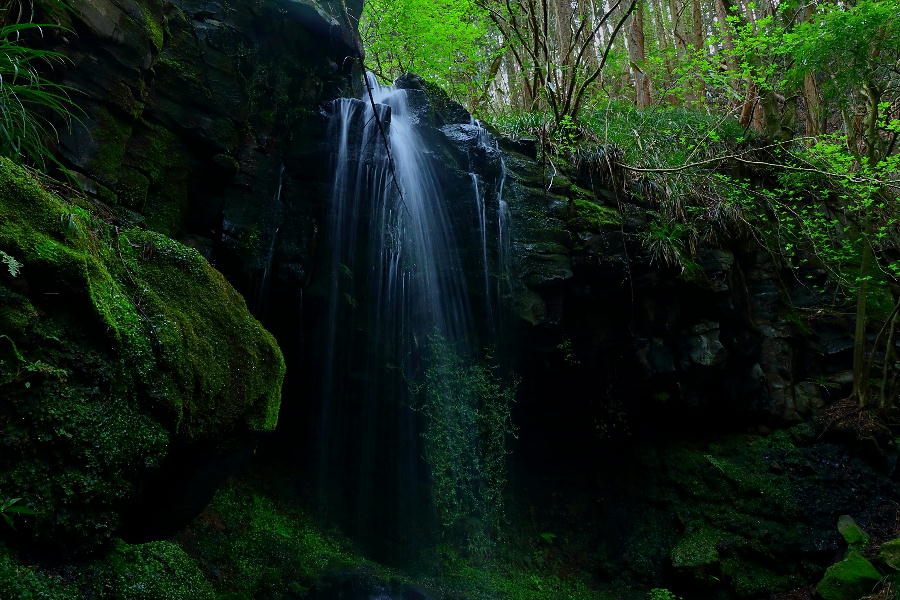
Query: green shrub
(466,408)
(29,102)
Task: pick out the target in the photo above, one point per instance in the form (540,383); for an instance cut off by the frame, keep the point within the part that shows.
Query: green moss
(856,538)
(461,578)
(158,156)
(889,553)
(153,571)
(587,214)
(261,547)
(125,341)
(23,582)
(734,517)
(110,135)
(849,579)
(751,580)
(154,26)
(218,365)
(132,189)
(699,546)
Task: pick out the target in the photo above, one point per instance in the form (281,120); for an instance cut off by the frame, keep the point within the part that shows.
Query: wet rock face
(607,319)
(595,311)
(201,121)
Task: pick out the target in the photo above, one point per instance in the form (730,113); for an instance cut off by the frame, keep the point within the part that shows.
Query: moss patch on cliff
(114,344)
(587,214)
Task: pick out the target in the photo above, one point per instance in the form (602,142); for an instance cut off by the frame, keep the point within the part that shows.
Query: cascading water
(396,276)
(500,271)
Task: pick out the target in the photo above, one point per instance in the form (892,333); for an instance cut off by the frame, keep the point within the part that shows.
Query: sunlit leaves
(447,42)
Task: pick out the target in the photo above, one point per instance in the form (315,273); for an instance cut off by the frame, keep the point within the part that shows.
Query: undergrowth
(30,103)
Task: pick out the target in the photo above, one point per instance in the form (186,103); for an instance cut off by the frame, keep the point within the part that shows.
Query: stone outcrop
(200,121)
(718,333)
(119,349)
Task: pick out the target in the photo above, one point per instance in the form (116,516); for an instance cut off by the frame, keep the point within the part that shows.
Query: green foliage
(661,594)
(27,96)
(825,208)
(446,42)
(467,412)
(10,507)
(668,241)
(461,578)
(25,582)
(854,44)
(12,265)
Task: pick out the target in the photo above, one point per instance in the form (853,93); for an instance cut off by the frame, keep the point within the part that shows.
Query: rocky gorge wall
(648,394)
(201,122)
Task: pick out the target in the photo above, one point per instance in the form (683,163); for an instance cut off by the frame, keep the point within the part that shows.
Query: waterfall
(396,277)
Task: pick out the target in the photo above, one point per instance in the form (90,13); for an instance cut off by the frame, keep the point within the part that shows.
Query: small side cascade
(500,270)
(396,280)
(262,287)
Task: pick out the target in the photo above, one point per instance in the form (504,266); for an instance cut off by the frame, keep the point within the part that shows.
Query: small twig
(738,157)
(384,137)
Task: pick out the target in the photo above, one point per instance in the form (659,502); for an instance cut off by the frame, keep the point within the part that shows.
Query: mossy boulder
(850,579)
(738,516)
(260,543)
(699,547)
(856,538)
(889,553)
(116,344)
(152,571)
(24,582)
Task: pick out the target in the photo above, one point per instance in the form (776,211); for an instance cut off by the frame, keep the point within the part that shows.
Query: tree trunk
(699,39)
(638,54)
(860,385)
(867,261)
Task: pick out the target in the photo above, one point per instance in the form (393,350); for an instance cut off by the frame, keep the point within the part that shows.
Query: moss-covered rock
(260,546)
(114,344)
(153,571)
(24,582)
(587,214)
(699,546)
(850,579)
(856,538)
(739,516)
(889,553)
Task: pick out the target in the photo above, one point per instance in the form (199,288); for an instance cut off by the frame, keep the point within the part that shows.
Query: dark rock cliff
(200,122)
(647,390)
